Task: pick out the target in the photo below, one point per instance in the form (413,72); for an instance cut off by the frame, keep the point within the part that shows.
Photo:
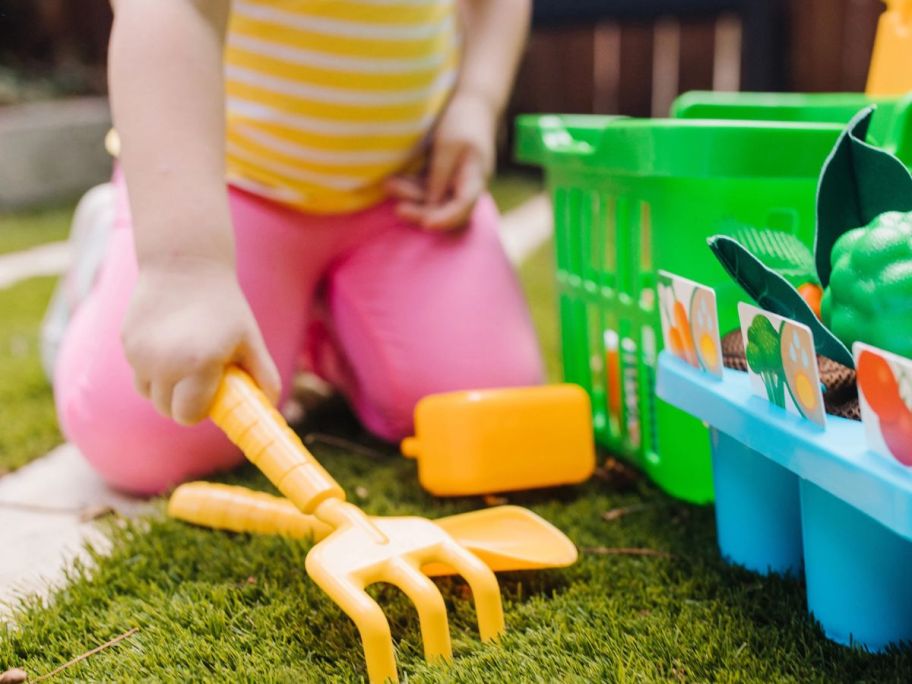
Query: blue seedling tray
(793,497)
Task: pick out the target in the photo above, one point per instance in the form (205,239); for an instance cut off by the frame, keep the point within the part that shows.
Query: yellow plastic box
(498,440)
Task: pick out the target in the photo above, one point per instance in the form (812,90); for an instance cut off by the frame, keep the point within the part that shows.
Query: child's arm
(463,150)
(188,317)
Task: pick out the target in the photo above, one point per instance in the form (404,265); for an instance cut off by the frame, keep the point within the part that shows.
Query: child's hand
(462,158)
(183,327)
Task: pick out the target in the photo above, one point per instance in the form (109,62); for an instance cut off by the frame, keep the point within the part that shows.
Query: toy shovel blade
(509,538)
(505,538)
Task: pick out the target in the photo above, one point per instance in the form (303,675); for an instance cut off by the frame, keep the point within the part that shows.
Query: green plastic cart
(631,197)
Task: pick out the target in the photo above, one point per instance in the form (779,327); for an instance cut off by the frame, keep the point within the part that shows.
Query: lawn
(28,427)
(213,606)
(23,230)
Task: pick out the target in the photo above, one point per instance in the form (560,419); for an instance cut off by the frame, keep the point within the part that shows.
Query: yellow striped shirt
(328,98)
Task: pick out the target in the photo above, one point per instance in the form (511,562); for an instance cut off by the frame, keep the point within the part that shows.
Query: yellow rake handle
(244,413)
(238,509)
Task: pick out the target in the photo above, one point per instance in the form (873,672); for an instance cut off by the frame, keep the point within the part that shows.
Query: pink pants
(384,311)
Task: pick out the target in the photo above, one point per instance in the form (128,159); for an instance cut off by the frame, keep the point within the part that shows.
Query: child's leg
(90,233)
(116,429)
(418,312)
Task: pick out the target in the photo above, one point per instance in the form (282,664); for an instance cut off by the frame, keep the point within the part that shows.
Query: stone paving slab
(44,260)
(526,228)
(37,545)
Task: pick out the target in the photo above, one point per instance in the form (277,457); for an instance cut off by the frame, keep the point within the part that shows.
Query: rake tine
(423,593)
(368,617)
(485,590)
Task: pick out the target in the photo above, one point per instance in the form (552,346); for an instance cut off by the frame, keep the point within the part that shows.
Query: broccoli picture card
(782,362)
(884,392)
(690,322)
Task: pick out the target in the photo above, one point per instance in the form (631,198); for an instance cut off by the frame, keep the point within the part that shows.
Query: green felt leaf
(780,251)
(858,183)
(774,293)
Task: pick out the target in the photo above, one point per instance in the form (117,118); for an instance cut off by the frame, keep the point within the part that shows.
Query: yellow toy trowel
(360,550)
(506,538)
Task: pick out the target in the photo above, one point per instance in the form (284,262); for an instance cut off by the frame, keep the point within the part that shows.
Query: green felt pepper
(869,296)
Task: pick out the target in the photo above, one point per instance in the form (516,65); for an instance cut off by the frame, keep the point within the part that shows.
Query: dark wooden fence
(626,56)
(56,40)
(624,60)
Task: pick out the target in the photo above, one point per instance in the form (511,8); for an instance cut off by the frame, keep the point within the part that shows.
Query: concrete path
(48,508)
(526,228)
(44,260)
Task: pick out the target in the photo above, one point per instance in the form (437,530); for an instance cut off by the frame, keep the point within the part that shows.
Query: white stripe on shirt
(324,60)
(315,155)
(261,113)
(326,180)
(340,96)
(334,27)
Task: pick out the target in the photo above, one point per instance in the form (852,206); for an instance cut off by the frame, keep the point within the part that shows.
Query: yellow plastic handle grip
(244,413)
(238,509)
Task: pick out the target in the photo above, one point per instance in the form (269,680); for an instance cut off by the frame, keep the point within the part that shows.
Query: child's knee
(388,410)
(517,367)
(108,445)
(135,450)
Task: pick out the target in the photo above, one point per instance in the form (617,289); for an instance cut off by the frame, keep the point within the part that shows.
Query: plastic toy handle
(410,447)
(238,509)
(557,140)
(244,413)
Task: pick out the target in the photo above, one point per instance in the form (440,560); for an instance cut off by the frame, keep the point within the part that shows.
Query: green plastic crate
(633,196)
(888,127)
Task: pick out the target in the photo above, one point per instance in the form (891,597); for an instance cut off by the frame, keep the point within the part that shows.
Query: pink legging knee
(386,312)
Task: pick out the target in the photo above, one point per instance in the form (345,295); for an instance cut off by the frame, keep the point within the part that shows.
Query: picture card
(690,322)
(884,392)
(782,362)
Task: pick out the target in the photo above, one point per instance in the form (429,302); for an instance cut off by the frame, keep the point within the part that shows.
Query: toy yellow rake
(505,538)
(359,550)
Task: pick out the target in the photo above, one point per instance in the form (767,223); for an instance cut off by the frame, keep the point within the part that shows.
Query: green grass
(28,426)
(512,189)
(216,607)
(538,283)
(24,230)
(213,606)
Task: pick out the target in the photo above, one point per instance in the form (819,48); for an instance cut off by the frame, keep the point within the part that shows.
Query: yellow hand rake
(505,538)
(360,550)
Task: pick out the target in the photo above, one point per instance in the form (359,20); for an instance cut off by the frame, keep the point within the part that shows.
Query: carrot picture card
(690,322)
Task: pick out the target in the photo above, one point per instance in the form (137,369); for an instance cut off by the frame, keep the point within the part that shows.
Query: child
(323,243)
